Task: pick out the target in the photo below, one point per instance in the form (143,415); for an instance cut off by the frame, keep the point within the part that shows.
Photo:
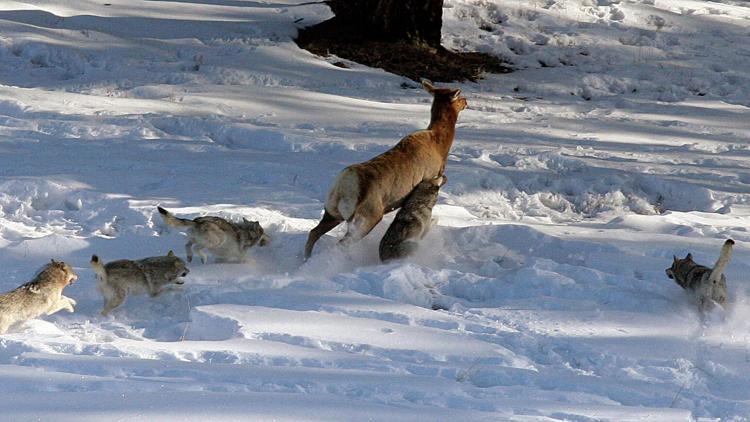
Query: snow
(620,141)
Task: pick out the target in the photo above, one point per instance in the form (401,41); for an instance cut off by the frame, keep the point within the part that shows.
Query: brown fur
(364,192)
(41,296)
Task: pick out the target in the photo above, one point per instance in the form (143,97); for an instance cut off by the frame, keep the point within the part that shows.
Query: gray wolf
(708,285)
(362,193)
(41,296)
(412,222)
(118,279)
(226,240)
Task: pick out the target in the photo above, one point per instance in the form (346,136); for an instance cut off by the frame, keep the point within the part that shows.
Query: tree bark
(414,21)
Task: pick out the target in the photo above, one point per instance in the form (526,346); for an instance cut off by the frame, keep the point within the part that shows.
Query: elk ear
(427,85)
(170,254)
(455,94)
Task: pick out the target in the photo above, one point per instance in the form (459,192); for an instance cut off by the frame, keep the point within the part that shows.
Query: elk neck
(443,124)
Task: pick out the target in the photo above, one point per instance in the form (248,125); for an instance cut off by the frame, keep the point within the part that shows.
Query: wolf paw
(69,304)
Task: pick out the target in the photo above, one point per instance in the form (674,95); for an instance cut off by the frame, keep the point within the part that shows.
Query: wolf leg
(64,303)
(113,302)
(4,325)
(189,251)
(71,302)
(199,250)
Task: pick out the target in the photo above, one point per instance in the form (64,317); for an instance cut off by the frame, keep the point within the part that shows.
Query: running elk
(363,192)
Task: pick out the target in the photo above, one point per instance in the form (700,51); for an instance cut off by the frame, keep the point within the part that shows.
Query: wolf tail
(98,267)
(173,221)
(398,251)
(723,261)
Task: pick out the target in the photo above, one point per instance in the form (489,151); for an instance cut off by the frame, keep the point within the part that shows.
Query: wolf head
(180,268)
(59,271)
(172,267)
(252,233)
(680,268)
(431,186)
(440,180)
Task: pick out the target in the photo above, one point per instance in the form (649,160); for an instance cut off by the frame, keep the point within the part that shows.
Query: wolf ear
(245,220)
(689,256)
(170,254)
(427,85)
(675,258)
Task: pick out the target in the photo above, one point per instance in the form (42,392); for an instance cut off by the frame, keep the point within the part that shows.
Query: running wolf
(226,240)
(708,285)
(149,276)
(41,296)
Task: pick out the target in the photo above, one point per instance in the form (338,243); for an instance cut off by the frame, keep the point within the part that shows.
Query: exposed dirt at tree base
(413,60)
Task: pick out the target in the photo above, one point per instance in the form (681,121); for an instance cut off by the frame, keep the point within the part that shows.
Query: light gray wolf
(707,285)
(412,222)
(362,193)
(226,240)
(41,296)
(118,279)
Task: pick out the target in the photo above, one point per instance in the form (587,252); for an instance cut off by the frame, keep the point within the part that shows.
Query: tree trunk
(415,21)
(399,36)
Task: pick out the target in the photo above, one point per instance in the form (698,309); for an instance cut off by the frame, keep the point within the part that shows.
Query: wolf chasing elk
(407,176)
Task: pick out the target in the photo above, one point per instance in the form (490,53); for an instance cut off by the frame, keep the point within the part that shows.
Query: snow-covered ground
(622,139)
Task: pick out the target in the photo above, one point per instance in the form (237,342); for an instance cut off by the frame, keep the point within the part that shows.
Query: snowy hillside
(621,140)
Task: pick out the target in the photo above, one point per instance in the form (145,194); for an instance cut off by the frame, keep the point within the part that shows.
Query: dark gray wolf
(226,240)
(412,222)
(708,285)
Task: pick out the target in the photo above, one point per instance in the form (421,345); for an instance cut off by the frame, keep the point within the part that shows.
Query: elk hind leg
(326,224)
(360,225)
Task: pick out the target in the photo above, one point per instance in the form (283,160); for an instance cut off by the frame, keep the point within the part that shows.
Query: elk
(362,193)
